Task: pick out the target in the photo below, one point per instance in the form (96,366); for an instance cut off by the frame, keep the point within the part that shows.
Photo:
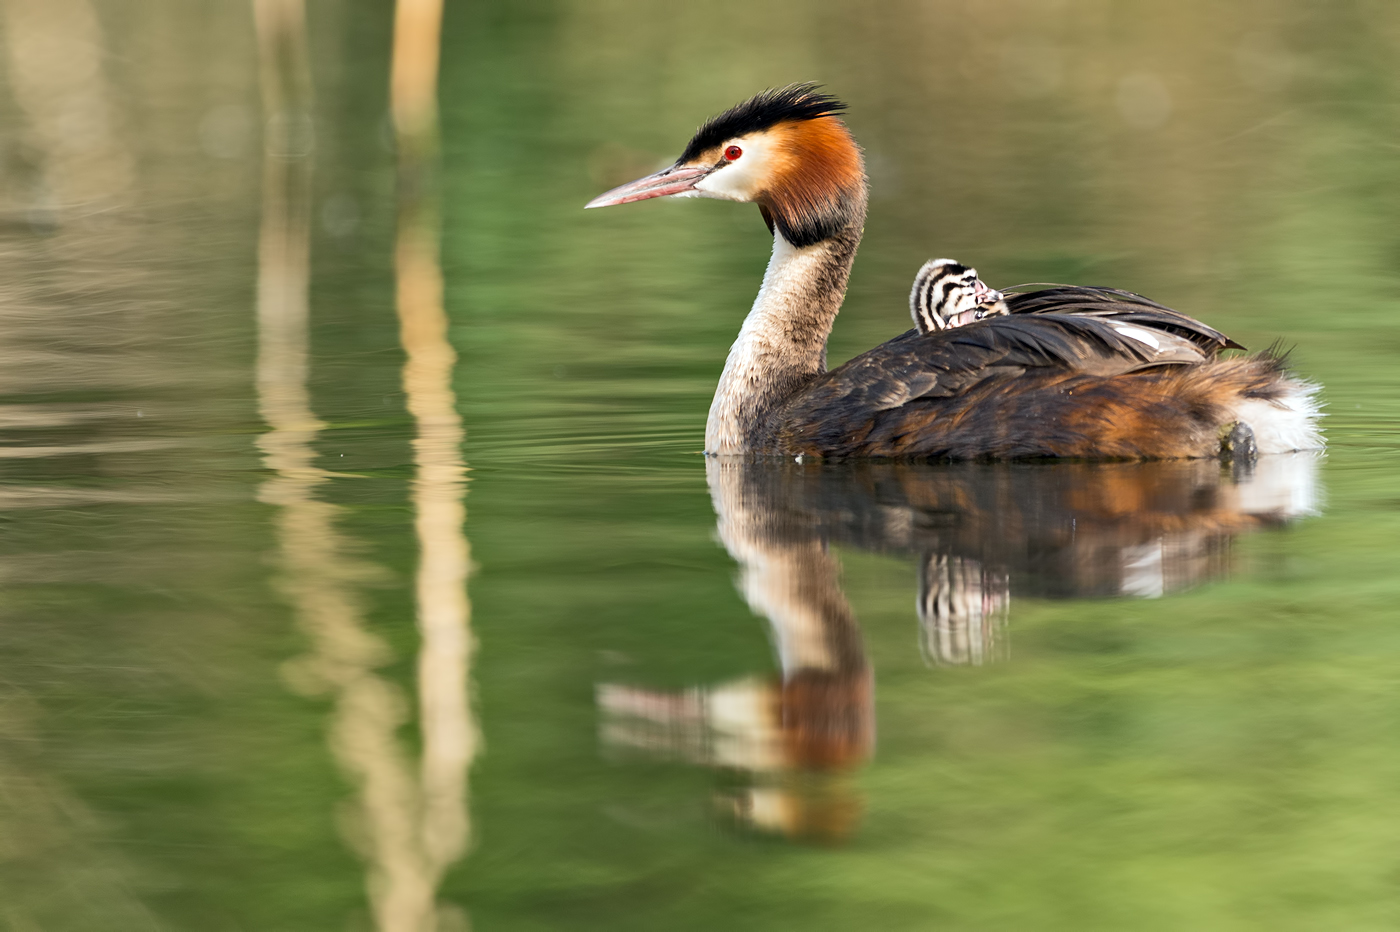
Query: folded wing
(951,392)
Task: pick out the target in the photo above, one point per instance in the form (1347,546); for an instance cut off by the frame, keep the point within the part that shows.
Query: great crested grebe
(1070,372)
(948,294)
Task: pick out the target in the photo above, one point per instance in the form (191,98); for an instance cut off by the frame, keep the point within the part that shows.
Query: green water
(1186,710)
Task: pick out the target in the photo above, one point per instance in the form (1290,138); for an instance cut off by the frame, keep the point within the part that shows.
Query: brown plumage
(1035,384)
(1071,372)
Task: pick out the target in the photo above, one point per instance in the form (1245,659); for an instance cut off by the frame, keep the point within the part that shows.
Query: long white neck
(782,345)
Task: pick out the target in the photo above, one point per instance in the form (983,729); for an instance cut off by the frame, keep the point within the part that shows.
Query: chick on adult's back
(948,294)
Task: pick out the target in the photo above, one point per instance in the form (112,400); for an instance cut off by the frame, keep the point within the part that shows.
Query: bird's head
(784,150)
(948,294)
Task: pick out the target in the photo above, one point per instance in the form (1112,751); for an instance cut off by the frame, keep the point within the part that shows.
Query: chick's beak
(984,295)
(677,179)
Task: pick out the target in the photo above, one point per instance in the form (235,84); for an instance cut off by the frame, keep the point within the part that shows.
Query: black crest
(763,111)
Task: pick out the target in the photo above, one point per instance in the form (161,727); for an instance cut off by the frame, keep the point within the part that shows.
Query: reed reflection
(981,536)
(408,826)
(450,736)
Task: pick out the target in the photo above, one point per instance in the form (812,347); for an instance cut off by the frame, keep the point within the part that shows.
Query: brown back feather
(1038,384)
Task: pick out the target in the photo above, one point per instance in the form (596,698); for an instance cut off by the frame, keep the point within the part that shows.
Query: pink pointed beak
(677,179)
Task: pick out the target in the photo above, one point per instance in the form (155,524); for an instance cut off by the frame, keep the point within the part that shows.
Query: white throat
(778,347)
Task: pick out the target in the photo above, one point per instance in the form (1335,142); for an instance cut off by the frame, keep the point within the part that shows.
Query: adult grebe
(1057,377)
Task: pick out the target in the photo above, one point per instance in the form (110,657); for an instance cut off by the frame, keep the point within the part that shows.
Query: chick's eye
(732,153)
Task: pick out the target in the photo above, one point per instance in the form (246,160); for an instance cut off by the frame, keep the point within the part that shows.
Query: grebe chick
(948,294)
(1093,373)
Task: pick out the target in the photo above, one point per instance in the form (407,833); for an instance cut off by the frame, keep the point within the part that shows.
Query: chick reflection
(981,533)
(963,609)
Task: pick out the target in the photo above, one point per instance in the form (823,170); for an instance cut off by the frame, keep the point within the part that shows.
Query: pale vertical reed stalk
(450,737)
(407,826)
(54,53)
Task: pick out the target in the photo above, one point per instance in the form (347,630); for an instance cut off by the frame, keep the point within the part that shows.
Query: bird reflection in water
(789,744)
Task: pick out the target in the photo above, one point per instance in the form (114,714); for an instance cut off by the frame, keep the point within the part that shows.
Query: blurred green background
(1227,758)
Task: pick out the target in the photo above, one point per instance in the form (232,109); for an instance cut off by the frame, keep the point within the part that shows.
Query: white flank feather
(1285,424)
(1137,333)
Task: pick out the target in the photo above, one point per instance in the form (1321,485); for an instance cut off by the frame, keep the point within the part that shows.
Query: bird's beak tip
(676,180)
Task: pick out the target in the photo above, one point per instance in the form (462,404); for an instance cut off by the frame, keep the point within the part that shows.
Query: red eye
(733,152)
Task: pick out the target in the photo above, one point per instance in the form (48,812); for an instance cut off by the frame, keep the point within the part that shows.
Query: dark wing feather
(1124,306)
(841,408)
